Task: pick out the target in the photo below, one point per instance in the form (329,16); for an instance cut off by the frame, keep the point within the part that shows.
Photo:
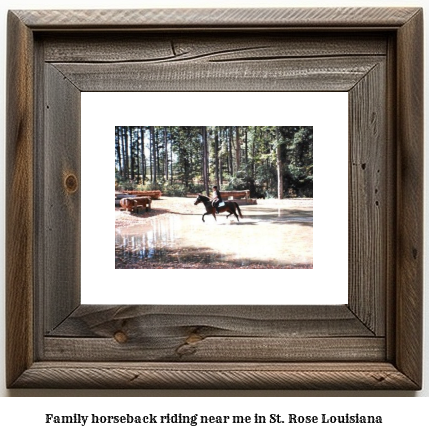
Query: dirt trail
(272,234)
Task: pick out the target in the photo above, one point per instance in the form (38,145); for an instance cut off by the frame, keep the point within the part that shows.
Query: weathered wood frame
(374,342)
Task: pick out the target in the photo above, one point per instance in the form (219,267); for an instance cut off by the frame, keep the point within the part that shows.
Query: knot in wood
(120,337)
(71,183)
(193,338)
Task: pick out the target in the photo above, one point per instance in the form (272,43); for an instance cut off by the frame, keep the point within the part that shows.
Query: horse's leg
(231,212)
(239,210)
(235,214)
(204,214)
(214,213)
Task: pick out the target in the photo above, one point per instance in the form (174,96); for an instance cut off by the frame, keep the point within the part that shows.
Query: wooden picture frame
(373,342)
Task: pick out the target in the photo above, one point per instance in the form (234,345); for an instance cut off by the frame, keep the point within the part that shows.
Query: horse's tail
(238,208)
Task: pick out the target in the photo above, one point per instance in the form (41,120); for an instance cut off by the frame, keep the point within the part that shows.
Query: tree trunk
(171,160)
(279,167)
(165,154)
(216,150)
(231,166)
(152,158)
(137,156)
(237,149)
(221,142)
(125,152)
(143,155)
(246,156)
(131,152)
(158,168)
(118,150)
(205,159)
(254,153)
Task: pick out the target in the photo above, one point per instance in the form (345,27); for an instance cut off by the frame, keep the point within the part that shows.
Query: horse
(229,206)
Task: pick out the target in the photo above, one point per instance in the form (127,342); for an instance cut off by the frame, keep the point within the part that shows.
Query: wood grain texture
(61,207)
(19,200)
(224,47)
(297,74)
(189,347)
(99,321)
(410,198)
(391,191)
(193,348)
(218,18)
(368,202)
(110,375)
(213,333)
(39,153)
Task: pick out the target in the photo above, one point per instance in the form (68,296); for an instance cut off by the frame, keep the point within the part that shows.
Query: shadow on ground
(191,258)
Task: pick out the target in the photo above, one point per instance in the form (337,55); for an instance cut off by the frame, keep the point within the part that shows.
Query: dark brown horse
(229,206)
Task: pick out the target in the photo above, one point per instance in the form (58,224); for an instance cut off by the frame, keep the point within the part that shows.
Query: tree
(118,151)
(153,154)
(216,156)
(275,160)
(279,165)
(165,154)
(237,149)
(143,155)
(205,159)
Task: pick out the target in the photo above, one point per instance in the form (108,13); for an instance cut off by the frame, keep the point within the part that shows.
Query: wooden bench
(235,195)
(241,197)
(135,204)
(154,195)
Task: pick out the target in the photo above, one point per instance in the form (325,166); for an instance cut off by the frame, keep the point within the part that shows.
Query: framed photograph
(267,239)
(59,60)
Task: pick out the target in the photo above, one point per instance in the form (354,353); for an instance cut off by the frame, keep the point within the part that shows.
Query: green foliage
(195,188)
(180,190)
(174,190)
(151,187)
(236,182)
(174,160)
(124,184)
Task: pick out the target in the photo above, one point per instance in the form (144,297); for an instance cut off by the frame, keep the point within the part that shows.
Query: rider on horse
(231,207)
(216,199)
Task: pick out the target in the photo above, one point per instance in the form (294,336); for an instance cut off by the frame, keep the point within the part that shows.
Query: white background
(102,284)
(402,414)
